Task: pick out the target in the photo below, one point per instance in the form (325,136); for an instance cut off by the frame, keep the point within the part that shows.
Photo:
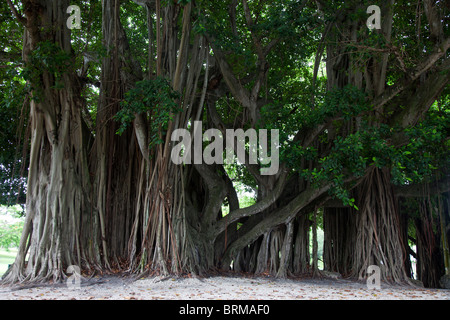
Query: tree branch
(7,56)
(250,23)
(422,99)
(232,12)
(254,169)
(270,46)
(420,69)
(283,215)
(140,127)
(217,191)
(236,88)
(256,208)
(434,20)
(21,19)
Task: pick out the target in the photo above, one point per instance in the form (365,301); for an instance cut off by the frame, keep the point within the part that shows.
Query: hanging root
(378,240)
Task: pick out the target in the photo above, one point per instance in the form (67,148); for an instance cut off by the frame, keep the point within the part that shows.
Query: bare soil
(113,287)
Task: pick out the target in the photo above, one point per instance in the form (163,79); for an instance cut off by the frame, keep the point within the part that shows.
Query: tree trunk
(116,162)
(286,252)
(60,229)
(315,259)
(301,259)
(404,220)
(430,264)
(378,240)
(339,239)
(444,221)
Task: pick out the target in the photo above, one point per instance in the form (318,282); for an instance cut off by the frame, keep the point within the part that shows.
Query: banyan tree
(360,111)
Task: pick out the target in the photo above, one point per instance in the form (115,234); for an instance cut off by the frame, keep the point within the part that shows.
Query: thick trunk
(286,251)
(377,235)
(430,263)
(301,260)
(59,228)
(173,238)
(378,239)
(117,163)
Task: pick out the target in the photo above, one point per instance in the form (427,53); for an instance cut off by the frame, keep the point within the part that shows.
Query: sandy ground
(220,288)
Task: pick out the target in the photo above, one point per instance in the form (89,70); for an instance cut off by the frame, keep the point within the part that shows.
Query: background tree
(13,112)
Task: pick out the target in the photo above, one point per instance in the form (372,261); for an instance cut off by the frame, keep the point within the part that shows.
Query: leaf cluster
(156,99)
(50,58)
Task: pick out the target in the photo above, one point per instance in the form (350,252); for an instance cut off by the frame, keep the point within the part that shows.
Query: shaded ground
(220,287)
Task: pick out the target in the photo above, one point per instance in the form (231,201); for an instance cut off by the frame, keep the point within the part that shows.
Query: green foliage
(426,152)
(88,40)
(155,98)
(134,22)
(339,103)
(346,155)
(183,2)
(242,179)
(12,94)
(46,57)
(13,111)
(286,21)
(11,225)
(10,234)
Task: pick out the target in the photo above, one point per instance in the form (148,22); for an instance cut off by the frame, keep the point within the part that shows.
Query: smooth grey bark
(54,235)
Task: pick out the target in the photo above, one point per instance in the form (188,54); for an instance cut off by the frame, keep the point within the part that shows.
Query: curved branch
(236,88)
(271,197)
(217,192)
(424,96)
(420,69)
(283,215)
(318,58)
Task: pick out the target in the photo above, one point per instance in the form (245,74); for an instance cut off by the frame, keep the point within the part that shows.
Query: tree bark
(430,263)
(339,239)
(60,229)
(378,240)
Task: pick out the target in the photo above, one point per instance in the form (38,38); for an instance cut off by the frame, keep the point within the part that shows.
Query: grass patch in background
(11,225)
(6,257)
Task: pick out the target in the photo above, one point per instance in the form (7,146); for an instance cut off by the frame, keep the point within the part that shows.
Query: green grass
(6,257)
